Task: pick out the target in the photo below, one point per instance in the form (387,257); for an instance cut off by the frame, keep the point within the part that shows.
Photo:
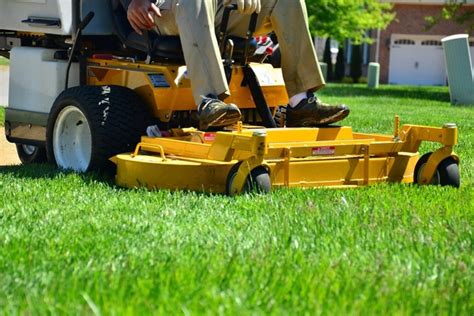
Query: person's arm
(140,15)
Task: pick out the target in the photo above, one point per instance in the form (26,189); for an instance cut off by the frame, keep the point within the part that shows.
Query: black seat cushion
(161,46)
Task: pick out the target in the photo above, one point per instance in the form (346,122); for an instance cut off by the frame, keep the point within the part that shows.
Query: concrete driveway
(8,154)
(4,75)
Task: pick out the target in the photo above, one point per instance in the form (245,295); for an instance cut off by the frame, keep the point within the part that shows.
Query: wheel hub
(72,140)
(29,149)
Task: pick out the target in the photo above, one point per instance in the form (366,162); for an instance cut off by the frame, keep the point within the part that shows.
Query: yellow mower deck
(293,157)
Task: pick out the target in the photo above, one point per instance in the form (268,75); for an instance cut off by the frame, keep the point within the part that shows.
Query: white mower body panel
(36,78)
(33,16)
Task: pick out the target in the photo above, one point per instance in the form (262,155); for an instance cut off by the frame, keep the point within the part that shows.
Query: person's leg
(300,66)
(301,69)
(194,22)
(288,18)
(299,63)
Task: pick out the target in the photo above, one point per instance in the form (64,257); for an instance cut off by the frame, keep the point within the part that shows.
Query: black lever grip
(225,23)
(253,23)
(86,20)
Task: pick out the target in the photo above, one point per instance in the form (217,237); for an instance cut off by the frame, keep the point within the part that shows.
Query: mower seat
(161,46)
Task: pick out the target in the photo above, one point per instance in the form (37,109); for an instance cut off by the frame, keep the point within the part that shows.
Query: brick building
(410,54)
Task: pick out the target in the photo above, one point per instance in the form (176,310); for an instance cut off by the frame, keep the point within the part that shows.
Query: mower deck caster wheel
(30,153)
(258,181)
(447,172)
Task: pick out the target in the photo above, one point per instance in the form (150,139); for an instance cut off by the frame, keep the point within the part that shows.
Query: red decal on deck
(209,137)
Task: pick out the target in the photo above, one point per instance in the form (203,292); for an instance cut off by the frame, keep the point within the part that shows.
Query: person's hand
(247,6)
(140,15)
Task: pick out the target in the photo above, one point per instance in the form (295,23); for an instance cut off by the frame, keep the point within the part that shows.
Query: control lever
(228,59)
(80,27)
(223,32)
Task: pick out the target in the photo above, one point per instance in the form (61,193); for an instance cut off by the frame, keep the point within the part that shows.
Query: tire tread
(116,123)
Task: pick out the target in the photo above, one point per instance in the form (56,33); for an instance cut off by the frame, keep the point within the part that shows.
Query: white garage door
(416,60)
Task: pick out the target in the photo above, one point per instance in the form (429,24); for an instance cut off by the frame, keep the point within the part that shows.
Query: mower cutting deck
(258,159)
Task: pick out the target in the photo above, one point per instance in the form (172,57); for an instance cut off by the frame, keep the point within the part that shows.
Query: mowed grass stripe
(77,244)
(4,61)
(2,116)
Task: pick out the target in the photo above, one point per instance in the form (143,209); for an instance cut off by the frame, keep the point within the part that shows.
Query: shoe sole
(339,116)
(223,120)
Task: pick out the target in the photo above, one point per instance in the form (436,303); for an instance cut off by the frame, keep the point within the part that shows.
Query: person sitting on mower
(195,22)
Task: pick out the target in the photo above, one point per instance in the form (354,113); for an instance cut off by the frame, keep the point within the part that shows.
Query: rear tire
(29,154)
(447,172)
(89,124)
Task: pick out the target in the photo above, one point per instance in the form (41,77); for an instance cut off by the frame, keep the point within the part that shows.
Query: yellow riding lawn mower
(86,91)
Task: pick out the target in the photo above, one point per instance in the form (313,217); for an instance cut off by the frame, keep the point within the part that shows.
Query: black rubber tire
(116,115)
(38,155)
(447,172)
(258,181)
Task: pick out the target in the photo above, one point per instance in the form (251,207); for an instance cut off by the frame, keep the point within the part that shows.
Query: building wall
(410,19)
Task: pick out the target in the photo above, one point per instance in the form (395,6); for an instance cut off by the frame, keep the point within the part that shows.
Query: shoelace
(206,101)
(280,116)
(312,99)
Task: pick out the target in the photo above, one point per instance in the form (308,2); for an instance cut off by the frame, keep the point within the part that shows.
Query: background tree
(347,19)
(356,63)
(328,59)
(340,65)
(453,10)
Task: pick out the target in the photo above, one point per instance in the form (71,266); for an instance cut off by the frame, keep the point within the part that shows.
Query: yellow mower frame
(222,162)
(176,94)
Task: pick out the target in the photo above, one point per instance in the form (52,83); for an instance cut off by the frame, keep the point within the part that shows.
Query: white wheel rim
(72,140)
(29,149)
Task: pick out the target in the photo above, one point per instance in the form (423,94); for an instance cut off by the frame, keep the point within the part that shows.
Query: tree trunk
(328,60)
(340,64)
(356,63)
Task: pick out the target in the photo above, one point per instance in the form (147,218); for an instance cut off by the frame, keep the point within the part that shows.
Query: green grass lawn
(4,61)
(2,115)
(77,244)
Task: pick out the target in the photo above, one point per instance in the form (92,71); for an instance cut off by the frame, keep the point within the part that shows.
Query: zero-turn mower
(84,88)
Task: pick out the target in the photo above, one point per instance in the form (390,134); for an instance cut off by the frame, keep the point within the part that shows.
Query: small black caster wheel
(258,181)
(29,154)
(447,172)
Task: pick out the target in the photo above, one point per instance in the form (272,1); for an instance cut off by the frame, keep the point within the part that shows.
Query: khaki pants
(195,21)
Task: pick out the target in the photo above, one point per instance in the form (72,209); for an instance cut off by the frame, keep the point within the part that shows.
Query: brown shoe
(215,113)
(313,112)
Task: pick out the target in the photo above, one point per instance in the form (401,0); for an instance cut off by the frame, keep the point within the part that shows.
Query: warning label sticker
(209,137)
(324,151)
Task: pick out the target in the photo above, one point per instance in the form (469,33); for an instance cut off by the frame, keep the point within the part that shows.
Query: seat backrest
(102,23)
